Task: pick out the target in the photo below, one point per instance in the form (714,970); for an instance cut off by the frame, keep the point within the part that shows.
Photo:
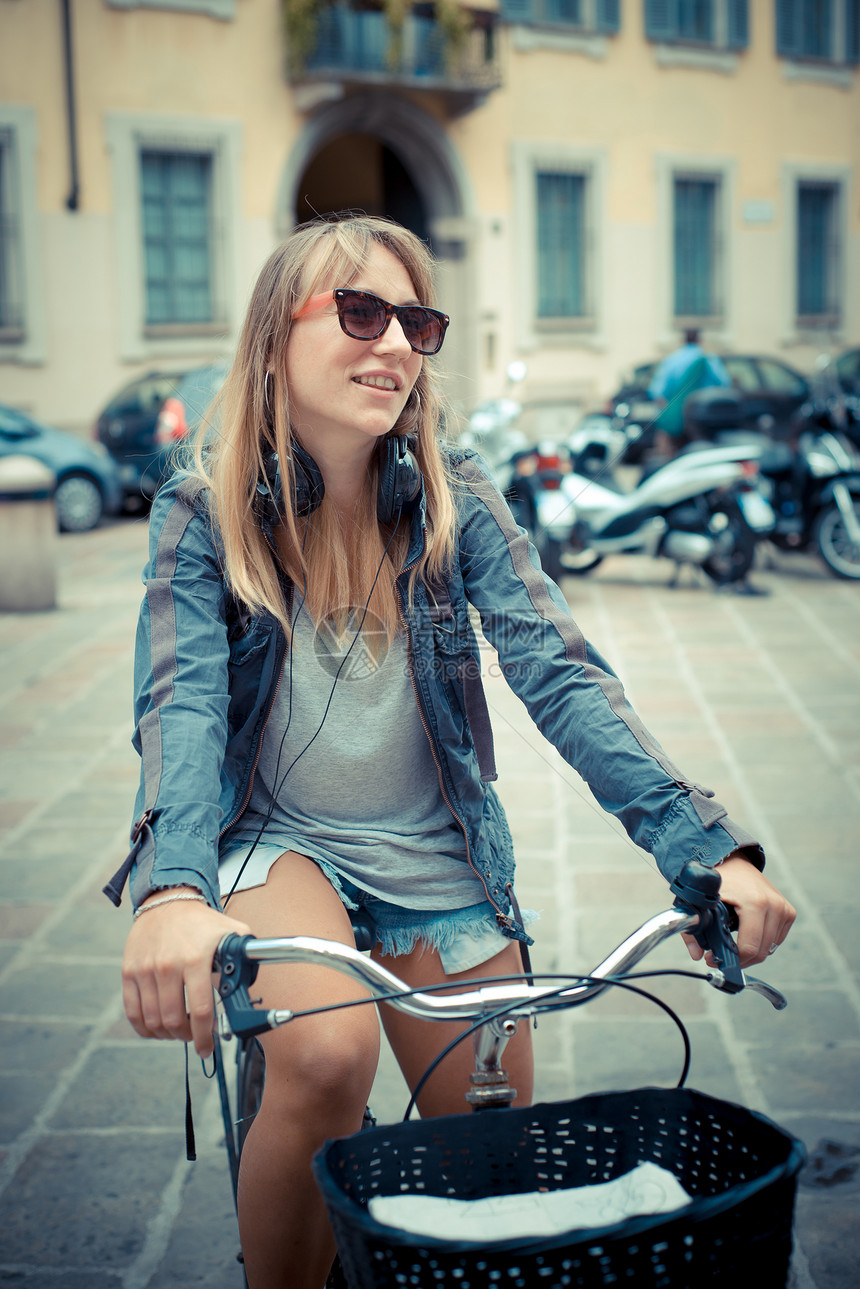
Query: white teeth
(379,382)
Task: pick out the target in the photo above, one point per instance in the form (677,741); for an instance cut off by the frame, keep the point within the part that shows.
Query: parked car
(142,424)
(187,406)
(88,484)
(126,429)
(772,392)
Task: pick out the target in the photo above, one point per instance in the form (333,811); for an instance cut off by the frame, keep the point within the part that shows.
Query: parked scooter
(813,479)
(690,510)
(816,498)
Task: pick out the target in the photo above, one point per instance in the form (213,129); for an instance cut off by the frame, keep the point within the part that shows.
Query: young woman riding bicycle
(311,725)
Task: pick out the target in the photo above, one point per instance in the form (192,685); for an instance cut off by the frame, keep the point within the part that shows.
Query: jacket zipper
(502,918)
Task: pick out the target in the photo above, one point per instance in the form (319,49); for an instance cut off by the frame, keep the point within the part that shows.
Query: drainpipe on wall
(73,199)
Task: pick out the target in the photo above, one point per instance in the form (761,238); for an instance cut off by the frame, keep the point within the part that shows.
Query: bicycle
(738,1169)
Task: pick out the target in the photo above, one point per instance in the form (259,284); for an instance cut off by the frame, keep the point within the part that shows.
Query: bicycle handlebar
(697,909)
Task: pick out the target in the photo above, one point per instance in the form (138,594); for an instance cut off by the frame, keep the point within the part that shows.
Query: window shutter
(738,24)
(608,15)
(817,250)
(661,19)
(852,31)
(825,35)
(788,42)
(561,236)
(695,247)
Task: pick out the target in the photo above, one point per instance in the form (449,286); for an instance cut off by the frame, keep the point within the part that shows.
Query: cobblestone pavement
(757,696)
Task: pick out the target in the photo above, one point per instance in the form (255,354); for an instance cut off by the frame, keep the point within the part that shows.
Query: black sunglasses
(365,317)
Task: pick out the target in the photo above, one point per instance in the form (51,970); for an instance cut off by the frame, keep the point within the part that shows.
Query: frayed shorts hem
(463,938)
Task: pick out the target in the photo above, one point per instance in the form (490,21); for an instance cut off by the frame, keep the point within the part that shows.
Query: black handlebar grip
(237,974)
(230,958)
(697,888)
(698,885)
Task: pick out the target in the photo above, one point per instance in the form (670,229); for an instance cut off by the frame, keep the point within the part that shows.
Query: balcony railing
(357,44)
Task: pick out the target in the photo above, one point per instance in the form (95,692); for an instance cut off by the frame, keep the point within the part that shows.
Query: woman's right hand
(167,970)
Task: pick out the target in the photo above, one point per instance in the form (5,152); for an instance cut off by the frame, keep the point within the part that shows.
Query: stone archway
(435,199)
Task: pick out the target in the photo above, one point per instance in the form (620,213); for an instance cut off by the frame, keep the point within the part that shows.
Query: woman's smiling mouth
(377,382)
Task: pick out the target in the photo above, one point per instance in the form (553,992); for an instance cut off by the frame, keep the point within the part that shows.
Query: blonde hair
(334,561)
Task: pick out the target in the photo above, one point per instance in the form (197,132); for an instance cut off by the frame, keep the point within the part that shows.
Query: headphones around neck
(398,486)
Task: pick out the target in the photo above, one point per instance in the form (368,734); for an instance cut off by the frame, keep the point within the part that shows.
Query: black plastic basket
(739,1168)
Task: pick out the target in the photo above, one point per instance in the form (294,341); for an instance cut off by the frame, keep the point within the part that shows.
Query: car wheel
(79,503)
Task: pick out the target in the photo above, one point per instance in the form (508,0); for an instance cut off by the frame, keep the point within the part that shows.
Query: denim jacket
(206,674)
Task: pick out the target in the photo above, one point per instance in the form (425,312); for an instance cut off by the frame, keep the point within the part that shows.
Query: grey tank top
(347,775)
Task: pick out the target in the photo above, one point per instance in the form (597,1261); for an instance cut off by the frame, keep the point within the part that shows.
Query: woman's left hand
(764,915)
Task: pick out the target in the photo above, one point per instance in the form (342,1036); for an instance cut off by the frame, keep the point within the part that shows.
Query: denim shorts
(463,938)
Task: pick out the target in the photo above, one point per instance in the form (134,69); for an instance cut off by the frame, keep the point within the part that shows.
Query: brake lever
(697,890)
(238,973)
(777,1000)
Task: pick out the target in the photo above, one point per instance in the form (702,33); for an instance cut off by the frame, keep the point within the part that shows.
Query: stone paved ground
(758,696)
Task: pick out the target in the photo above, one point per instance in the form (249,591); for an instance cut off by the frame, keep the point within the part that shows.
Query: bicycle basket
(735,1164)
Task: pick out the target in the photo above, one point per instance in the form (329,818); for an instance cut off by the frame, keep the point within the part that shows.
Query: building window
(582,15)
(561,217)
(696,249)
(176,220)
(11,258)
(818,254)
(720,24)
(825,31)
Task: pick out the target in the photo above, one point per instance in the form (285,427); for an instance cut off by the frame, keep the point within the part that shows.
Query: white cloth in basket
(647,1188)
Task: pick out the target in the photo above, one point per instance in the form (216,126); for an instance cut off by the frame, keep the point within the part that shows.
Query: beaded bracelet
(169,899)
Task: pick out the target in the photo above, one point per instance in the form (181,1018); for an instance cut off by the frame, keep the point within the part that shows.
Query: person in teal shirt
(685,370)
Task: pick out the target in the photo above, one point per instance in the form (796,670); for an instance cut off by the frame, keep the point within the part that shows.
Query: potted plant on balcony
(301,22)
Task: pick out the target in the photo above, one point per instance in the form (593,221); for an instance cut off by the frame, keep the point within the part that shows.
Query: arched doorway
(382,154)
(360,172)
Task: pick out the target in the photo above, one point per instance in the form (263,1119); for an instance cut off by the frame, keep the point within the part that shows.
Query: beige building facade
(592,174)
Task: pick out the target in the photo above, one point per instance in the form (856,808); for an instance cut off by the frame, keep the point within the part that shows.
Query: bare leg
(319,1072)
(415,1043)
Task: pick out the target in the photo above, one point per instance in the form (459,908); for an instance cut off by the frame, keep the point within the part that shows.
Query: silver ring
(773,948)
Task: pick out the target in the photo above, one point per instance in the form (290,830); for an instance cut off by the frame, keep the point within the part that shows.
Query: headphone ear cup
(269,494)
(310,488)
(399,479)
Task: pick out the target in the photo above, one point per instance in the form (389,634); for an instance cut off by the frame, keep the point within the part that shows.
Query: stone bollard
(28,535)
